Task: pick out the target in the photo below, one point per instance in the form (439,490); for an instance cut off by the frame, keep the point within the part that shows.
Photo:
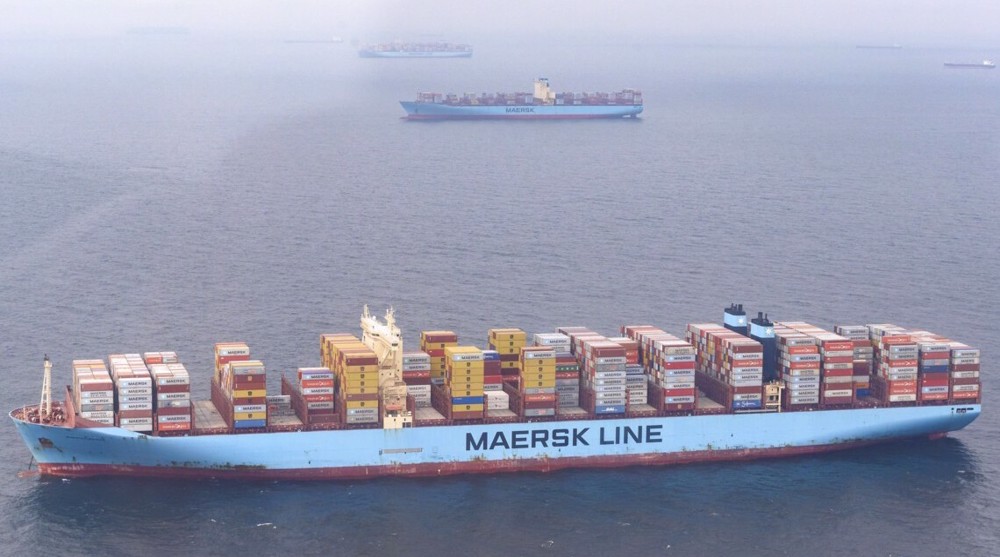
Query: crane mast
(386,341)
(45,405)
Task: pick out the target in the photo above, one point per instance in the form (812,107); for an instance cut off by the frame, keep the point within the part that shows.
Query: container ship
(543,103)
(570,398)
(984,65)
(415,50)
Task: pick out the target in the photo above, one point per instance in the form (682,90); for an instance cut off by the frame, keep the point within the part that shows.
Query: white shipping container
(250,408)
(903,398)
(136,421)
(173,419)
(176,403)
(173,396)
(136,406)
(839,379)
(965,374)
(965,388)
(319,405)
(678,399)
(837,392)
(804,400)
(96,400)
(746,396)
(934,390)
(318,391)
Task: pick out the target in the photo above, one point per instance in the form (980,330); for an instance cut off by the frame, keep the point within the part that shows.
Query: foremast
(386,341)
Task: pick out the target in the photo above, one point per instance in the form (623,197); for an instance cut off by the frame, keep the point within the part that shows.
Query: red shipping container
(317,398)
(965,367)
(927,381)
(173,426)
(678,392)
(838,372)
(173,411)
(249,400)
(172,388)
(320,383)
(934,396)
(803,350)
(965,395)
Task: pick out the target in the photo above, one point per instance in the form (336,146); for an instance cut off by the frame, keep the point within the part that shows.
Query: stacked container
(433,343)
(864,357)
(464,367)
(316,384)
(492,371)
(837,358)
(538,380)
(172,391)
(134,387)
(93,391)
(933,368)
(731,359)
(799,368)
(965,378)
(603,374)
(507,342)
(673,364)
(417,376)
(226,352)
(245,382)
(357,370)
(567,381)
(896,358)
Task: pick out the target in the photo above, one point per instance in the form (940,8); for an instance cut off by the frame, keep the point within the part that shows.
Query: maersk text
(545,438)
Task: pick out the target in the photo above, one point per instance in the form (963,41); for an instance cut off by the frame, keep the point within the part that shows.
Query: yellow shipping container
(249,394)
(510,365)
(508,333)
(470,392)
(506,350)
(530,364)
(466,385)
(249,415)
(360,404)
(352,383)
(359,369)
(466,407)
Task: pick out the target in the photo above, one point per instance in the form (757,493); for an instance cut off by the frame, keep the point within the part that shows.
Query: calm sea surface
(171,192)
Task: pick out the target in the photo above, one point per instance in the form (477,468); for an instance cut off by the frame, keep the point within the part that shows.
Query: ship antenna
(45,405)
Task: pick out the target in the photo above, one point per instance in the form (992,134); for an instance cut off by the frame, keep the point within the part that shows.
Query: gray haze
(959,23)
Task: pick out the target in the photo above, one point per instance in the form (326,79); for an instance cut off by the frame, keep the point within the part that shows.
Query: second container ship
(542,103)
(748,388)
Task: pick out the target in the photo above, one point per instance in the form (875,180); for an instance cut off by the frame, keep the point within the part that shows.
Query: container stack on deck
(134,387)
(965,379)
(567,369)
(464,367)
(896,359)
(636,380)
(433,343)
(799,368)
(417,376)
(245,385)
(318,390)
(674,371)
(864,357)
(93,391)
(538,381)
(226,352)
(604,375)
(837,359)
(357,370)
(729,358)
(933,367)
(496,397)
(172,391)
(507,342)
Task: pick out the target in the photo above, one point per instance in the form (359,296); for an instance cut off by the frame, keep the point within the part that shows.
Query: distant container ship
(543,103)
(571,398)
(984,65)
(416,50)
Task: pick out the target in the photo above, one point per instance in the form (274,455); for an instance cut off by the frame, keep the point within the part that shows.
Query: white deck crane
(386,341)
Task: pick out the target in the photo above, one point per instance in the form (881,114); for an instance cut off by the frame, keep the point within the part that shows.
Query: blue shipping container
(863,392)
(745,404)
(613,409)
(467,400)
(242,424)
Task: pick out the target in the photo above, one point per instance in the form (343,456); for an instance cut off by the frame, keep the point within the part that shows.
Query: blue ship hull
(455,449)
(439,111)
(414,54)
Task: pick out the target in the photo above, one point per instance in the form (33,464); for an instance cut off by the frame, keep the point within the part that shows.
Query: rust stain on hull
(430,469)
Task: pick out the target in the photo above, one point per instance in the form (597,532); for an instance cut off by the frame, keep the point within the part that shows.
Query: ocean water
(169,192)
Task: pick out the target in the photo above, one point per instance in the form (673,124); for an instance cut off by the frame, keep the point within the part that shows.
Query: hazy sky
(913,22)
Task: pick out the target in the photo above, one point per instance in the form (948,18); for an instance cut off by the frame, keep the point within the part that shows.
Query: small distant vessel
(984,65)
(543,103)
(416,50)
